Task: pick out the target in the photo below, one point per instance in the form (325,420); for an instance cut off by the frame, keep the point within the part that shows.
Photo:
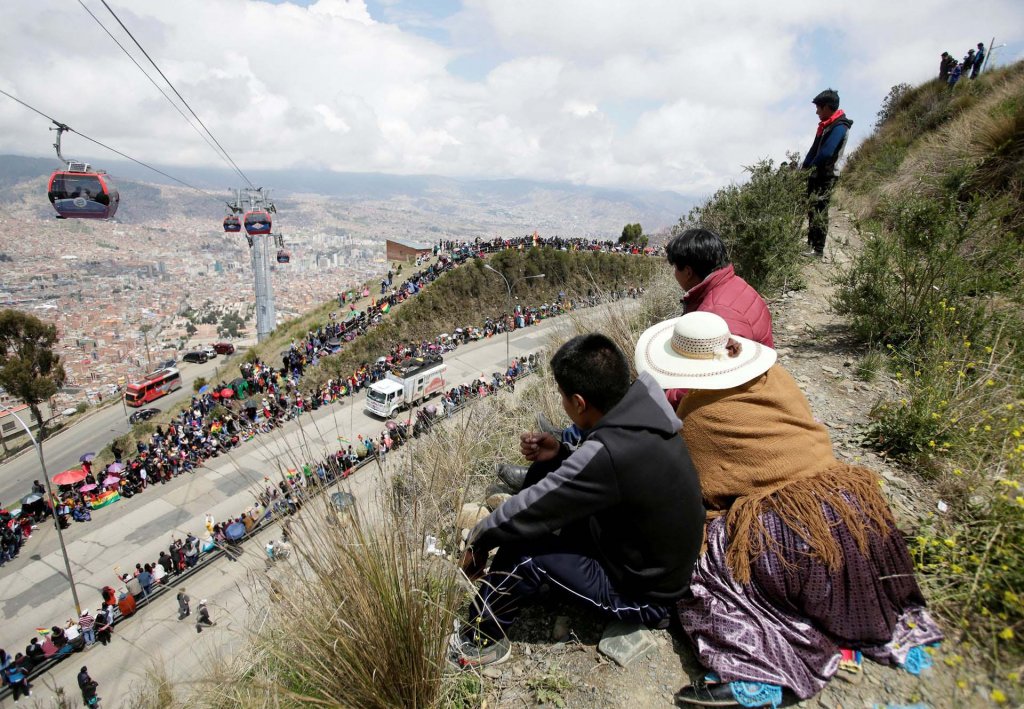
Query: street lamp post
(511,307)
(56,519)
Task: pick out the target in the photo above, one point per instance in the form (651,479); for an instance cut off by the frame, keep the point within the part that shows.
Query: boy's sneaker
(464,653)
(471,655)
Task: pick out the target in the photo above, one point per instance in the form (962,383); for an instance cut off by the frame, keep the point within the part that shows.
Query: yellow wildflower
(1006,633)
(997,696)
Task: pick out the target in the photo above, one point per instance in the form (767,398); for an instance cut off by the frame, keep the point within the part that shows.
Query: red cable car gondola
(231,224)
(78,191)
(257,222)
(283,256)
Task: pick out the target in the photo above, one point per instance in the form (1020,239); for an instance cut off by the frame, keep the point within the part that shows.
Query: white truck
(406,385)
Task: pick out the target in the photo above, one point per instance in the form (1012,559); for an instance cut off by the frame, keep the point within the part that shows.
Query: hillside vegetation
(935,293)
(469,294)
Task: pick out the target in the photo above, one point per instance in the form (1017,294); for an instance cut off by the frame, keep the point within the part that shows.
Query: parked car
(210,352)
(167,363)
(224,348)
(197,356)
(143,415)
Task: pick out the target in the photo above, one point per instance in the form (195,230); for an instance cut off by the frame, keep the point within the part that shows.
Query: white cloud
(657,94)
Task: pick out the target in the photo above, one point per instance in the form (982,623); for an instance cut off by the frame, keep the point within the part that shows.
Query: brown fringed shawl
(757,448)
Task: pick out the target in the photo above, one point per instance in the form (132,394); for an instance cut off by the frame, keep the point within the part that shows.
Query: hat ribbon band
(717,354)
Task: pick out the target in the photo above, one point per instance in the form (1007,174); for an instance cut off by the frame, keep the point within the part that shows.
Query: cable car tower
(256,207)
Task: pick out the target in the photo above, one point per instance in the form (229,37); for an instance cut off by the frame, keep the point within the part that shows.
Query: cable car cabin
(284,256)
(80,193)
(257,223)
(231,224)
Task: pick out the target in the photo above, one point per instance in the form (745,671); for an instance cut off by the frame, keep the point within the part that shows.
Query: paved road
(92,433)
(33,588)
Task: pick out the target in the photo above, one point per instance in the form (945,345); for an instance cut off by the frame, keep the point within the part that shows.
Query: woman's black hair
(701,249)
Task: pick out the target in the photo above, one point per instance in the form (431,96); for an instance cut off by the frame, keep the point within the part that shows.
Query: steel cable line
(176,93)
(113,150)
(156,85)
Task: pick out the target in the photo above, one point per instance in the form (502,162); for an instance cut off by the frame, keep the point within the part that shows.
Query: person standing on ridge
(968,63)
(944,66)
(979,61)
(821,161)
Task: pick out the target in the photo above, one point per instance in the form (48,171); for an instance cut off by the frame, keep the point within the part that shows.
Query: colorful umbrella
(111,480)
(115,468)
(86,457)
(203,389)
(226,393)
(235,531)
(70,477)
(87,488)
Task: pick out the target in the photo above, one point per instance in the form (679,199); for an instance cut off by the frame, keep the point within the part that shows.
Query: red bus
(153,386)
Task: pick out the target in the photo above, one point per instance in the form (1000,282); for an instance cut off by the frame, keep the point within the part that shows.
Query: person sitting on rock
(615,524)
(803,565)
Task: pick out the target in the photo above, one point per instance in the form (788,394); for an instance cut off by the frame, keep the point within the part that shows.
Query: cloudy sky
(652,94)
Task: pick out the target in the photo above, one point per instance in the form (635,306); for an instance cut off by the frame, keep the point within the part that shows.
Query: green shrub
(926,255)
(199,382)
(956,416)
(761,223)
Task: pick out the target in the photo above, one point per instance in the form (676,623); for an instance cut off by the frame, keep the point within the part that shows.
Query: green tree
(29,368)
(230,325)
(633,234)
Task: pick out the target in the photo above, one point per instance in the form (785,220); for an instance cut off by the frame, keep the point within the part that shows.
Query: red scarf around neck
(822,125)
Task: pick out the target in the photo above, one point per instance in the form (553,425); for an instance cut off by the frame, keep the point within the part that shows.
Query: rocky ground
(555,656)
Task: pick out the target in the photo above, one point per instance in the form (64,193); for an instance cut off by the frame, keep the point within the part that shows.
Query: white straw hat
(691,352)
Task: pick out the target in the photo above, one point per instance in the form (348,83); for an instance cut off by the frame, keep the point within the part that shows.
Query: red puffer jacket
(733,299)
(730,297)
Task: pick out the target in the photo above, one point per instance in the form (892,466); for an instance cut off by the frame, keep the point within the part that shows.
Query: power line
(156,85)
(176,93)
(113,150)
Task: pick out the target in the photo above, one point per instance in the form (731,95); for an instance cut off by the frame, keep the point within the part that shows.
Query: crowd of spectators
(274,500)
(222,416)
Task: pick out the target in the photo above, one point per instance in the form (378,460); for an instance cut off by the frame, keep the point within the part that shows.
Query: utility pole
(511,305)
(56,517)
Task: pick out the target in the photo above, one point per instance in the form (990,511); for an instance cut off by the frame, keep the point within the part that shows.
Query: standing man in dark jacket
(946,63)
(979,61)
(615,525)
(821,160)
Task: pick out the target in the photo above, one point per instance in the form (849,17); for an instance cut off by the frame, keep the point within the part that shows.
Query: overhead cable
(111,149)
(177,93)
(158,87)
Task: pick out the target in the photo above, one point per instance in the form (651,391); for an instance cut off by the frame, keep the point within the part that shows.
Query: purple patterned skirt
(786,626)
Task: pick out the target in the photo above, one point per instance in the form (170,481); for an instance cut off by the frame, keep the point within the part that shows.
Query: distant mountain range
(566,208)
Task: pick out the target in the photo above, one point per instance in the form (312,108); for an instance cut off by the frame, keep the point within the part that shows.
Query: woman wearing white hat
(803,565)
